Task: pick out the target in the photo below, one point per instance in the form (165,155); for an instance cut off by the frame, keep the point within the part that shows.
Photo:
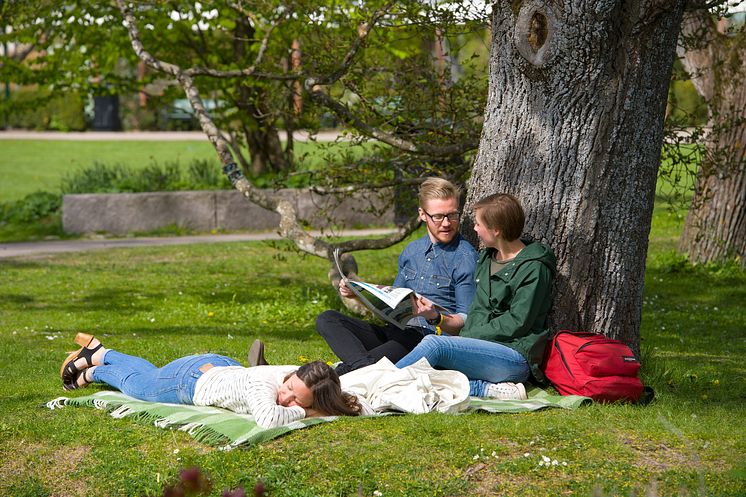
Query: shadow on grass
(166,336)
(15,298)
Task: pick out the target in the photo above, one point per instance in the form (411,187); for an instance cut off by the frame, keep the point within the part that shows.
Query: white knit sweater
(248,391)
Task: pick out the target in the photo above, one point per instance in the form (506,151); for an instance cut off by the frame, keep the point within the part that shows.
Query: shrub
(199,174)
(40,110)
(31,208)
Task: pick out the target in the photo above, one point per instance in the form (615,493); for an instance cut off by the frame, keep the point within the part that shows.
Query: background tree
(714,55)
(433,126)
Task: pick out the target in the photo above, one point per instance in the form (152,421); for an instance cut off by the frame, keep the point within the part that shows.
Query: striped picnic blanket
(216,426)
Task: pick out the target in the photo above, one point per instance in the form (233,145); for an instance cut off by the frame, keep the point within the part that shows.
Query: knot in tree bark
(535,29)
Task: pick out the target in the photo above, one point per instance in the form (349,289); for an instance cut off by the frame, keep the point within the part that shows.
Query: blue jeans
(482,361)
(173,383)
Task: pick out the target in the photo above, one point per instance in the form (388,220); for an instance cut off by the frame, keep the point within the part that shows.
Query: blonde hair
(437,189)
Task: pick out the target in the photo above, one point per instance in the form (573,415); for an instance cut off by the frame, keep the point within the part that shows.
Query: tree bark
(260,133)
(715,228)
(573,127)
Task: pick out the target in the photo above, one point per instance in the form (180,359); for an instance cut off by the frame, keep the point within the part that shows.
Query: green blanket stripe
(209,425)
(214,426)
(537,399)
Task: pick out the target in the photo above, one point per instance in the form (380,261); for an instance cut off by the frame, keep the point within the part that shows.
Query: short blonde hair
(438,189)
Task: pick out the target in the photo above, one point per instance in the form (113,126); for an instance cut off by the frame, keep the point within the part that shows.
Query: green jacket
(511,306)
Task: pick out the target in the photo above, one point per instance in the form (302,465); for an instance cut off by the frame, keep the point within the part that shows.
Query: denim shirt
(444,273)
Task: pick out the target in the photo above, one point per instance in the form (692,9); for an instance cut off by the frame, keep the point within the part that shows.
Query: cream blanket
(416,389)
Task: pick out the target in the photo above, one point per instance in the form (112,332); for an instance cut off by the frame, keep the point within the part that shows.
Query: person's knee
(431,344)
(325,322)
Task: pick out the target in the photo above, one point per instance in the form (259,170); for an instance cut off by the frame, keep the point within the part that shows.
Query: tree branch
(349,117)
(289,226)
(251,70)
(362,34)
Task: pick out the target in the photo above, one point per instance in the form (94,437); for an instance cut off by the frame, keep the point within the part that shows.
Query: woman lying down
(274,395)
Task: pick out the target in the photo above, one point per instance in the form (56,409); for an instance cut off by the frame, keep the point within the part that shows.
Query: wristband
(436,320)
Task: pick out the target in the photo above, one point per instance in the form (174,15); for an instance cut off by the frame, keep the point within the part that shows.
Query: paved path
(323,136)
(24,249)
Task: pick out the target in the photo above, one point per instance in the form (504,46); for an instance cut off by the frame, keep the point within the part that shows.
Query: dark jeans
(359,343)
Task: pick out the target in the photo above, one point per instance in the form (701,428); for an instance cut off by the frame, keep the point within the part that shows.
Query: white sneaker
(507,391)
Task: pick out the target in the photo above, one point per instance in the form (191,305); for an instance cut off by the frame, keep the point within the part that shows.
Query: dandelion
(716,382)
(329,363)
(303,359)
(210,314)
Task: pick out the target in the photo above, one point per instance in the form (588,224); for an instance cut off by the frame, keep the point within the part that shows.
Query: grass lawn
(32,165)
(165,302)
(28,166)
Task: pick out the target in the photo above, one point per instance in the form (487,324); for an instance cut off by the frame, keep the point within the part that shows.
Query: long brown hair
(328,396)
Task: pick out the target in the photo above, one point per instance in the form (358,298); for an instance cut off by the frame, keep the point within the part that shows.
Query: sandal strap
(71,371)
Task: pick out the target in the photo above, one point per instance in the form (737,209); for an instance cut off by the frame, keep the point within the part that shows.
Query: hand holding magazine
(394,305)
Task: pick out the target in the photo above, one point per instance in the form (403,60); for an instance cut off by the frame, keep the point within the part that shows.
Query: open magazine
(392,304)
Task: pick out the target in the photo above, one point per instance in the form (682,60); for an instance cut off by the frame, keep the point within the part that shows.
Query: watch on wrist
(436,320)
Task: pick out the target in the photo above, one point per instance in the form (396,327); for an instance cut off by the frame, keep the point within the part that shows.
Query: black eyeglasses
(438,218)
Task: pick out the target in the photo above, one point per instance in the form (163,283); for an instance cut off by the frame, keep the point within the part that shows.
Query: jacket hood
(534,251)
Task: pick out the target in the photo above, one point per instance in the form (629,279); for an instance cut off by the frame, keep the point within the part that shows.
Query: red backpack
(592,365)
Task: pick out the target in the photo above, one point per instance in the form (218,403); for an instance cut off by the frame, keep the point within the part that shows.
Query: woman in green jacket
(503,340)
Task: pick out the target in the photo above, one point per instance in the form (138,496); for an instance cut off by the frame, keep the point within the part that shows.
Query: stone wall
(123,213)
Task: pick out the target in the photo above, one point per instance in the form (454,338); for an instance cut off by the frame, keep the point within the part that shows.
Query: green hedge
(39,109)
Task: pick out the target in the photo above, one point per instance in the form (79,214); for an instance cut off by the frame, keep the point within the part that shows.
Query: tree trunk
(715,228)
(262,138)
(573,127)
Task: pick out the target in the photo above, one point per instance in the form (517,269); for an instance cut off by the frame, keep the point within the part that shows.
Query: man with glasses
(439,266)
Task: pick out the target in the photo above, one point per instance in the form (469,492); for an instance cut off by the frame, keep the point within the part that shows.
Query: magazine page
(390,295)
(392,304)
